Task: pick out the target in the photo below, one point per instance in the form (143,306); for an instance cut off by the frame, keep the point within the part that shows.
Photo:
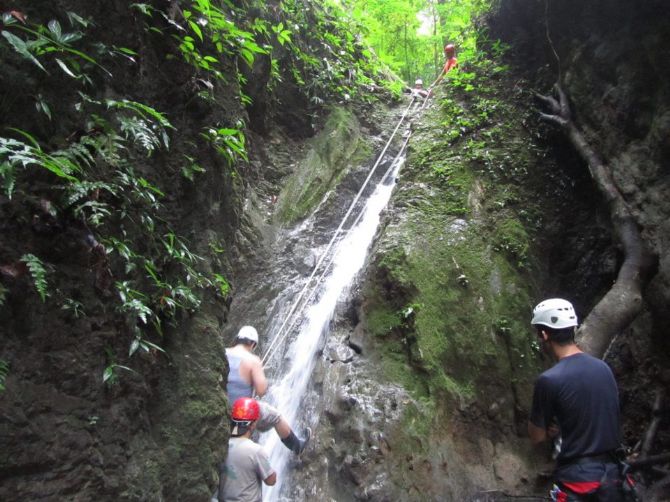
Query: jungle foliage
(409,35)
(91,162)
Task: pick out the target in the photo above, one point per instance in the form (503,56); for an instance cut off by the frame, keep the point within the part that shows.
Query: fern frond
(142,109)
(8,178)
(84,189)
(140,132)
(80,153)
(15,153)
(39,274)
(93,211)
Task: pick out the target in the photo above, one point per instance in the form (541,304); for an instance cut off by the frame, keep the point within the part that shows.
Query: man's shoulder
(242,354)
(576,365)
(249,447)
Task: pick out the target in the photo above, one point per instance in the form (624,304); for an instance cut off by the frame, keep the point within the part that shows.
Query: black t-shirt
(581,395)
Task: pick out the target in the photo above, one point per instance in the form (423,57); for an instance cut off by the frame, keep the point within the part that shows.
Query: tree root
(623,302)
(650,435)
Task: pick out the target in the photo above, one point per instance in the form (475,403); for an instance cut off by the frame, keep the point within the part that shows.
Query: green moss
(382,322)
(458,258)
(417,426)
(511,237)
(330,155)
(199,409)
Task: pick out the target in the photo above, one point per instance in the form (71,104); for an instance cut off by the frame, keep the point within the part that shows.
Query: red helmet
(246,409)
(449,49)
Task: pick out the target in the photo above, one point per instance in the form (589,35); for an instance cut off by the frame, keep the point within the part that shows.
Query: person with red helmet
(451,63)
(247,465)
(246,377)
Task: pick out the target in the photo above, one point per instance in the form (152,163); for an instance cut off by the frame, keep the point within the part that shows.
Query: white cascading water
(289,387)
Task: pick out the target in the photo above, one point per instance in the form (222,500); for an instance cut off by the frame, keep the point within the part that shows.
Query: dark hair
(563,336)
(239,427)
(245,341)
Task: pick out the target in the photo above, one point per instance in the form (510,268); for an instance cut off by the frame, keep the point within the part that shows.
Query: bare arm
(271,479)
(438,79)
(536,434)
(258,379)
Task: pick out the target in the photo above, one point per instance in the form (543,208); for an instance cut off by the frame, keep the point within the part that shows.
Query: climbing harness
(285,327)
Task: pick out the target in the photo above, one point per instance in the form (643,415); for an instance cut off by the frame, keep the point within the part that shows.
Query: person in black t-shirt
(578,400)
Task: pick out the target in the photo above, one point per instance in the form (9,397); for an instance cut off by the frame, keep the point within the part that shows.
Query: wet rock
(355,340)
(341,353)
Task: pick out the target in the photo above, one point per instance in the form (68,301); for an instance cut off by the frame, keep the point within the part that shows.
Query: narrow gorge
(174,170)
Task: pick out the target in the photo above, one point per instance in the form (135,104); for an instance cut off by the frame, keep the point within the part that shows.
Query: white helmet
(555,313)
(248,333)
(418,82)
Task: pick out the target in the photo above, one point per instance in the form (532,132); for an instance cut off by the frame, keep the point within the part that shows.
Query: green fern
(140,132)
(39,274)
(4,371)
(82,190)
(15,153)
(147,127)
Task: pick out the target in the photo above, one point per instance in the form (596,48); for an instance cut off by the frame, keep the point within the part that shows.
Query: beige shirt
(247,465)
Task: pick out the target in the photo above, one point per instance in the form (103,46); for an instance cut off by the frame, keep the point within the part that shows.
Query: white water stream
(289,387)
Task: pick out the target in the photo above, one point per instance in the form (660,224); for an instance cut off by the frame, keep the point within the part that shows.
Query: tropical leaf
(38,272)
(22,48)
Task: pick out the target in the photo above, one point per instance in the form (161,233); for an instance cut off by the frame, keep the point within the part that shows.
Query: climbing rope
(283,331)
(331,259)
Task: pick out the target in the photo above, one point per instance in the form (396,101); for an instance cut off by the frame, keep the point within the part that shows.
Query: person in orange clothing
(452,62)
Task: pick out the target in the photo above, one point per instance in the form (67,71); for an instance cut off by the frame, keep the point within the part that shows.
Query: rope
(273,347)
(282,332)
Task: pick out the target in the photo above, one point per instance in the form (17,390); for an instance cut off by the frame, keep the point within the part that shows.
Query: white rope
(282,333)
(326,267)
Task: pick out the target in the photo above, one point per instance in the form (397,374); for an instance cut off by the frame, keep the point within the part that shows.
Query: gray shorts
(270,417)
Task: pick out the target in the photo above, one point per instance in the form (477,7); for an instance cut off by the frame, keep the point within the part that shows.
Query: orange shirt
(451,63)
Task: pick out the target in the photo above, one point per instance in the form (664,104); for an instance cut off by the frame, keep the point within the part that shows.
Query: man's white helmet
(248,333)
(555,313)
(418,82)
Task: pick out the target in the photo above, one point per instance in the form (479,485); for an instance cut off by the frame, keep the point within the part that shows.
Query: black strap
(607,458)
(222,480)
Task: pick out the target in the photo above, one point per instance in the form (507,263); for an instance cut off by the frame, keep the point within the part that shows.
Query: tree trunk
(623,302)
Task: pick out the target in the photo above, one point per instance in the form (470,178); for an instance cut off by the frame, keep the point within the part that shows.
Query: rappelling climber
(418,90)
(577,399)
(451,63)
(247,465)
(246,377)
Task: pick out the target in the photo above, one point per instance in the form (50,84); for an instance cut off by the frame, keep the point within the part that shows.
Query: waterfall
(292,378)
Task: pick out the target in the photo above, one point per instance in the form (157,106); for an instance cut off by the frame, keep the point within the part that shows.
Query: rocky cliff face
(612,57)
(427,377)
(494,211)
(433,403)
(160,131)
(65,432)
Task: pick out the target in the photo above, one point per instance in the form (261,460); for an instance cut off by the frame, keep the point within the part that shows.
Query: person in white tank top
(246,376)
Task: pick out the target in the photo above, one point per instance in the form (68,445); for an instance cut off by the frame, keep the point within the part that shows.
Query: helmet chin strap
(240,427)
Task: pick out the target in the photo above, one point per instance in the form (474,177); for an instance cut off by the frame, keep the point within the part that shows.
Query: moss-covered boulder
(329,156)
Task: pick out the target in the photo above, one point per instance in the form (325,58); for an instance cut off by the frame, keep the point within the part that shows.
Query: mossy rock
(330,154)
(449,291)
